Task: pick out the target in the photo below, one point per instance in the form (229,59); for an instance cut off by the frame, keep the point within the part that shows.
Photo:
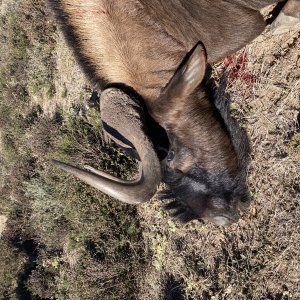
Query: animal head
(205,168)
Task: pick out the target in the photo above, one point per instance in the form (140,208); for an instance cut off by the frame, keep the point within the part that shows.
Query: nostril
(170,156)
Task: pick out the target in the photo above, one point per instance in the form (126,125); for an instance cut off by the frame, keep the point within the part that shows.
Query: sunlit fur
(141,43)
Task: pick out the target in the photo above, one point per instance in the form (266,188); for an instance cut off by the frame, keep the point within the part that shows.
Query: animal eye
(171,155)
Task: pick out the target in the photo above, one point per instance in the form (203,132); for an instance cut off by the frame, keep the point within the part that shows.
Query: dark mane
(238,135)
(221,101)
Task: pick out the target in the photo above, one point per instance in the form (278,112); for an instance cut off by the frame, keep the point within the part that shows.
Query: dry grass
(91,247)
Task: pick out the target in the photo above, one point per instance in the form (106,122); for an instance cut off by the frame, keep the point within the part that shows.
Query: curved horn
(122,114)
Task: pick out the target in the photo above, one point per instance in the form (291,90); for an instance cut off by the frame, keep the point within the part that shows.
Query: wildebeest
(159,50)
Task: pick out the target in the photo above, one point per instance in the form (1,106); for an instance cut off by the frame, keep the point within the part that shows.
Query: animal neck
(140,43)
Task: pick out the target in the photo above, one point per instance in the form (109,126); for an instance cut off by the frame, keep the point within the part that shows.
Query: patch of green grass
(64,211)
(40,74)
(17,118)
(20,44)
(4,79)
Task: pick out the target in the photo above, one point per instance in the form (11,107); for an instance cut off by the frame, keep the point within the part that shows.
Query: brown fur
(141,43)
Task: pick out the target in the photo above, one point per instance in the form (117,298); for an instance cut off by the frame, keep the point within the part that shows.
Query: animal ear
(189,75)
